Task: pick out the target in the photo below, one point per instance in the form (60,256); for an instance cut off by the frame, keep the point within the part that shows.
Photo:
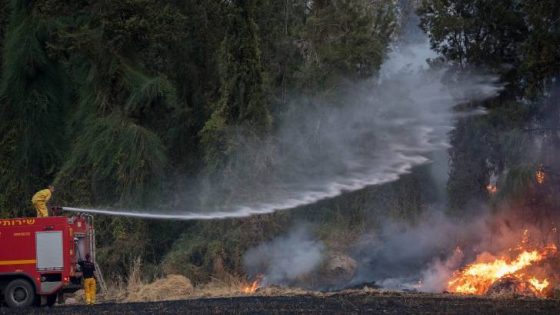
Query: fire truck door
(49,250)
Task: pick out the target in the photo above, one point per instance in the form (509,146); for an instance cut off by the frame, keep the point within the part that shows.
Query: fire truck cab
(39,256)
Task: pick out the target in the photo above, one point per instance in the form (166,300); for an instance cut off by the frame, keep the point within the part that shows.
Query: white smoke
(285,258)
(418,256)
(423,256)
(438,273)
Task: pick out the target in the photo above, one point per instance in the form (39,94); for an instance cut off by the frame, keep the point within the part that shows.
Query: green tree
(118,52)
(517,38)
(541,48)
(123,100)
(34,96)
(345,40)
(242,102)
(195,76)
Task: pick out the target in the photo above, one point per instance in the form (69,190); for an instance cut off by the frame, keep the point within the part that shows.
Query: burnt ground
(347,303)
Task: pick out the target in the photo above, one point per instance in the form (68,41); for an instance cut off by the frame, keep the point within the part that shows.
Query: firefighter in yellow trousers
(90,285)
(40,200)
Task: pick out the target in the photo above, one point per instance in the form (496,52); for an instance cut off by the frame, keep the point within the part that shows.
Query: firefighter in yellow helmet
(40,200)
(90,285)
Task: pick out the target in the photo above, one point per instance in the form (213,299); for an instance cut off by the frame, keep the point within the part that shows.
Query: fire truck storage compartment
(49,250)
(82,246)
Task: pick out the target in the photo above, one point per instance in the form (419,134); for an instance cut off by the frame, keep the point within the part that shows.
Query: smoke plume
(423,256)
(284,259)
(414,256)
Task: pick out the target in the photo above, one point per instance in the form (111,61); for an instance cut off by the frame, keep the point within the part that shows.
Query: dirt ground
(336,303)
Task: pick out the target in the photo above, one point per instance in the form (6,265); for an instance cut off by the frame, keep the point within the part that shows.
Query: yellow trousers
(90,288)
(41,208)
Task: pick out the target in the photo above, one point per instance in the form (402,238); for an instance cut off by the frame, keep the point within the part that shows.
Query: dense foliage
(519,40)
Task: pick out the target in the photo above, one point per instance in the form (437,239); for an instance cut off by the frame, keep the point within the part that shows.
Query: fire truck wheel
(19,293)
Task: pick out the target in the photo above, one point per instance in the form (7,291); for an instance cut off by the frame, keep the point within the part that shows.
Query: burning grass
(252,286)
(227,286)
(178,287)
(524,271)
(234,286)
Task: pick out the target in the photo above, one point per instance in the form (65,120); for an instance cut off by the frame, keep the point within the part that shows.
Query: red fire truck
(38,257)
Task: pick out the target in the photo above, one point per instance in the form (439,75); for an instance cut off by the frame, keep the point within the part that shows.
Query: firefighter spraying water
(40,200)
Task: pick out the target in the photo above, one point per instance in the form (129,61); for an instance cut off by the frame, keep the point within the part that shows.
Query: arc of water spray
(304,198)
(382,132)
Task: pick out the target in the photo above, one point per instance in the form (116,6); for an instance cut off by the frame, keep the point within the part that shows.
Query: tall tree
(242,102)
(124,98)
(33,99)
(345,39)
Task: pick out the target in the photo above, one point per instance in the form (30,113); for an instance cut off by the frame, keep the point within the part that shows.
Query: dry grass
(176,287)
(172,287)
(228,286)
(134,289)
(118,289)
(232,286)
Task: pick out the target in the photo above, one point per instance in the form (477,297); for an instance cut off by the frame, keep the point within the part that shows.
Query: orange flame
(252,287)
(492,189)
(540,176)
(478,277)
(539,285)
